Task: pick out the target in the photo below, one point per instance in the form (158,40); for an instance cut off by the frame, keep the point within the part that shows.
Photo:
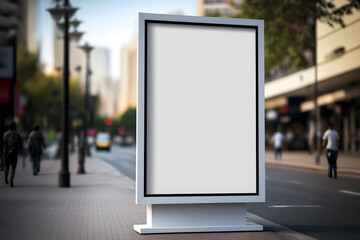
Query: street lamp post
(78,69)
(66,11)
(85,148)
(316,94)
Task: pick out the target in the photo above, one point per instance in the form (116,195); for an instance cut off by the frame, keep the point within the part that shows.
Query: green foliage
(127,120)
(77,97)
(44,93)
(27,63)
(216,14)
(328,13)
(51,136)
(289,27)
(41,102)
(99,123)
(288,30)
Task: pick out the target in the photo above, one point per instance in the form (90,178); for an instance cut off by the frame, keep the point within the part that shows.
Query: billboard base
(186,218)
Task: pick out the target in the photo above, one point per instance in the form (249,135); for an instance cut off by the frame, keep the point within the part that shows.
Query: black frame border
(256,28)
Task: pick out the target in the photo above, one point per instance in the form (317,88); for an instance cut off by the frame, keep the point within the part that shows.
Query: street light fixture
(74,35)
(58,12)
(78,69)
(85,148)
(58,70)
(75,23)
(65,11)
(87,49)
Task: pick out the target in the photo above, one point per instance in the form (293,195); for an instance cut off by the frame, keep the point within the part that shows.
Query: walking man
(35,143)
(12,147)
(330,140)
(278,139)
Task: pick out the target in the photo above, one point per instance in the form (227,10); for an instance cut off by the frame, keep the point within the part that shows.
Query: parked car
(103,141)
(117,140)
(128,141)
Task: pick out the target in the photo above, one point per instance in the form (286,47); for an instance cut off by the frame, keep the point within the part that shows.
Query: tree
(290,25)
(290,28)
(27,63)
(43,92)
(327,12)
(128,119)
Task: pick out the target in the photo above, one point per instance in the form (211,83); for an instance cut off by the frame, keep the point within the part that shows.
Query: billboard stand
(200,123)
(196,218)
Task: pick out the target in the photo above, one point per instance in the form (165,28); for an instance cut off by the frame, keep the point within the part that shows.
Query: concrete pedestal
(196,218)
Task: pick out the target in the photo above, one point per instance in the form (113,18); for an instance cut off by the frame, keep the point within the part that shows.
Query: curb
(305,166)
(113,170)
(283,231)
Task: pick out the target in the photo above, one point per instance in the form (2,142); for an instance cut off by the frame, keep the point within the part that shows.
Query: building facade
(289,101)
(99,63)
(213,7)
(108,96)
(128,83)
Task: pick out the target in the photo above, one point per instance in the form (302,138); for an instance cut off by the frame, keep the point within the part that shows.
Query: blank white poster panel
(201,110)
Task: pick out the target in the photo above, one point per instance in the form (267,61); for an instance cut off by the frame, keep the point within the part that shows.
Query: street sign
(91,131)
(7,62)
(197,74)
(7,80)
(108,122)
(5,92)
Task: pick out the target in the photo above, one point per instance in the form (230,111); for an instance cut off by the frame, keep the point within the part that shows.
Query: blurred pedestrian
(330,140)
(12,147)
(2,164)
(35,144)
(278,139)
(311,136)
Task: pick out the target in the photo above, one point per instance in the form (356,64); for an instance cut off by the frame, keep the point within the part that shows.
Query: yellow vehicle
(103,141)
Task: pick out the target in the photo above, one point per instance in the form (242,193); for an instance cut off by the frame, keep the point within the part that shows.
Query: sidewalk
(99,205)
(346,164)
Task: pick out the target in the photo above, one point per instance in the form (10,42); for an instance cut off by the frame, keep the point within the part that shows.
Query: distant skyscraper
(21,14)
(108,94)
(31,12)
(99,62)
(100,67)
(209,7)
(128,82)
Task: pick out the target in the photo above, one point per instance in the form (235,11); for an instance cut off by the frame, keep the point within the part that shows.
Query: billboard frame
(142,197)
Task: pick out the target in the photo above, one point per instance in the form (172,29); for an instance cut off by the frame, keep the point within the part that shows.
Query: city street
(122,158)
(311,203)
(261,97)
(305,201)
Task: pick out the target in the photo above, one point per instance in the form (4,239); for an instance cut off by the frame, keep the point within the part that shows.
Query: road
(305,201)
(311,203)
(122,158)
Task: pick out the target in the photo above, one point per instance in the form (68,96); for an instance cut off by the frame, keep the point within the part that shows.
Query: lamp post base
(64,179)
(88,151)
(81,160)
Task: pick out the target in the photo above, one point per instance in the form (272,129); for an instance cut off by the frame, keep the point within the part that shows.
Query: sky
(106,23)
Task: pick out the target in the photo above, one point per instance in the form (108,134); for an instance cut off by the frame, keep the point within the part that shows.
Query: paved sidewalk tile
(99,205)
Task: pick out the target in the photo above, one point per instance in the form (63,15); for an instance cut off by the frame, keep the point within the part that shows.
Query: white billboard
(200,110)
